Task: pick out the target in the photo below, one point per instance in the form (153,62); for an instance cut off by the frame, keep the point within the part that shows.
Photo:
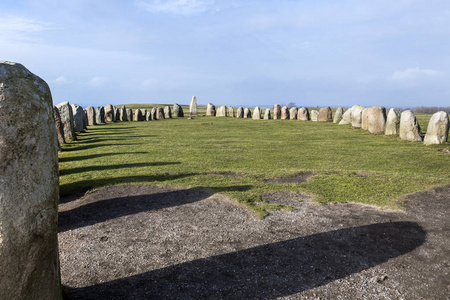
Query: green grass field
(235,156)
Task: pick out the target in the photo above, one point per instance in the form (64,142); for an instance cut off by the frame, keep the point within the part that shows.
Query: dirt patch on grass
(297,178)
(228,174)
(447,151)
(162,242)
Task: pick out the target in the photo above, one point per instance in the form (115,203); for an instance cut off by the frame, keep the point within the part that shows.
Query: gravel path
(163,242)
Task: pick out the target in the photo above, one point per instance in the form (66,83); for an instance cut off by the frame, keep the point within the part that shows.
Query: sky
(239,53)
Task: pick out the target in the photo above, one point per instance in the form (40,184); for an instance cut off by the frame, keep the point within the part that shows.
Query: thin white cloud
(178,7)
(19,28)
(99,81)
(61,80)
(413,73)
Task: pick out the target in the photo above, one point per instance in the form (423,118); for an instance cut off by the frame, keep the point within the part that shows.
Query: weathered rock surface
(303,114)
(29,186)
(338,115)
(221,111)
(177,111)
(284,113)
(409,127)
(325,115)
(167,112)
(154,113)
(144,113)
(267,114)
(210,110)
(247,113)
(230,111)
(116,114)
(148,115)
(375,117)
(293,111)
(393,122)
(85,120)
(123,114)
(78,118)
(160,113)
(129,114)
(437,130)
(100,115)
(138,115)
(314,115)
(193,107)
(346,117)
(256,113)
(356,115)
(277,112)
(90,111)
(66,114)
(240,112)
(109,113)
(58,126)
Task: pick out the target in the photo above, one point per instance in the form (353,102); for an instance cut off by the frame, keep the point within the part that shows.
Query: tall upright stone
(66,114)
(364,119)
(78,117)
(138,115)
(100,115)
(90,111)
(210,110)
(303,114)
(338,115)
(247,113)
(160,113)
(240,112)
(109,113)
(29,187)
(356,115)
(85,120)
(409,127)
(148,116)
(376,119)
(177,111)
(393,122)
(221,111)
(437,130)
(256,113)
(277,112)
(167,112)
(314,115)
(144,113)
(346,117)
(154,113)
(193,107)
(284,113)
(123,114)
(58,126)
(267,114)
(129,114)
(293,111)
(116,114)
(325,115)
(230,111)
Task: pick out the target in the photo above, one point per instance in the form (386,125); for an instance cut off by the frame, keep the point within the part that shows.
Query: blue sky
(239,53)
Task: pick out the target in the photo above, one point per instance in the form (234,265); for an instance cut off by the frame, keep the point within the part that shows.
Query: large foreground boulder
(211,110)
(29,187)
(90,112)
(325,115)
(177,111)
(303,114)
(66,114)
(338,115)
(78,118)
(356,115)
(409,127)
(193,107)
(393,122)
(437,130)
(277,112)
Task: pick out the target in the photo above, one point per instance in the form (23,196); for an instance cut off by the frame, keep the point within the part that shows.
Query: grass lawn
(235,156)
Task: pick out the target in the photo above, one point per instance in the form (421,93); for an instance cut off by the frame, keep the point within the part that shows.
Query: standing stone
(85,120)
(247,113)
(364,119)
(29,187)
(240,112)
(129,114)
(100,115)
(109,113)
(409,127)
(210,110)
(167,112)
(256,113)
(325,115)
(154,113)
(178,111)
(160,113)
(284,113)
(116,114)
(303,114)
(437,131)
(66,114)
(78,117)
(58,126)
(267,114)
(221,111)
(376,119)
(138,115)
(293,113)
(123,114)
(148,116)
(144,113)
(338,115)
(230,111)
(356,115)
(314,115)
(276,112)
(393,122)
(193,107)
(90,111)
(346,118)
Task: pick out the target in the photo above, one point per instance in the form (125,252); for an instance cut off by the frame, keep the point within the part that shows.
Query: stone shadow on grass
(112,167)
(267,271)
(84,157)
(92,146)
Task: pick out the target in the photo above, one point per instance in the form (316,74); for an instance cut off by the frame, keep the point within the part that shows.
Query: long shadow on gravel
(268,271)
